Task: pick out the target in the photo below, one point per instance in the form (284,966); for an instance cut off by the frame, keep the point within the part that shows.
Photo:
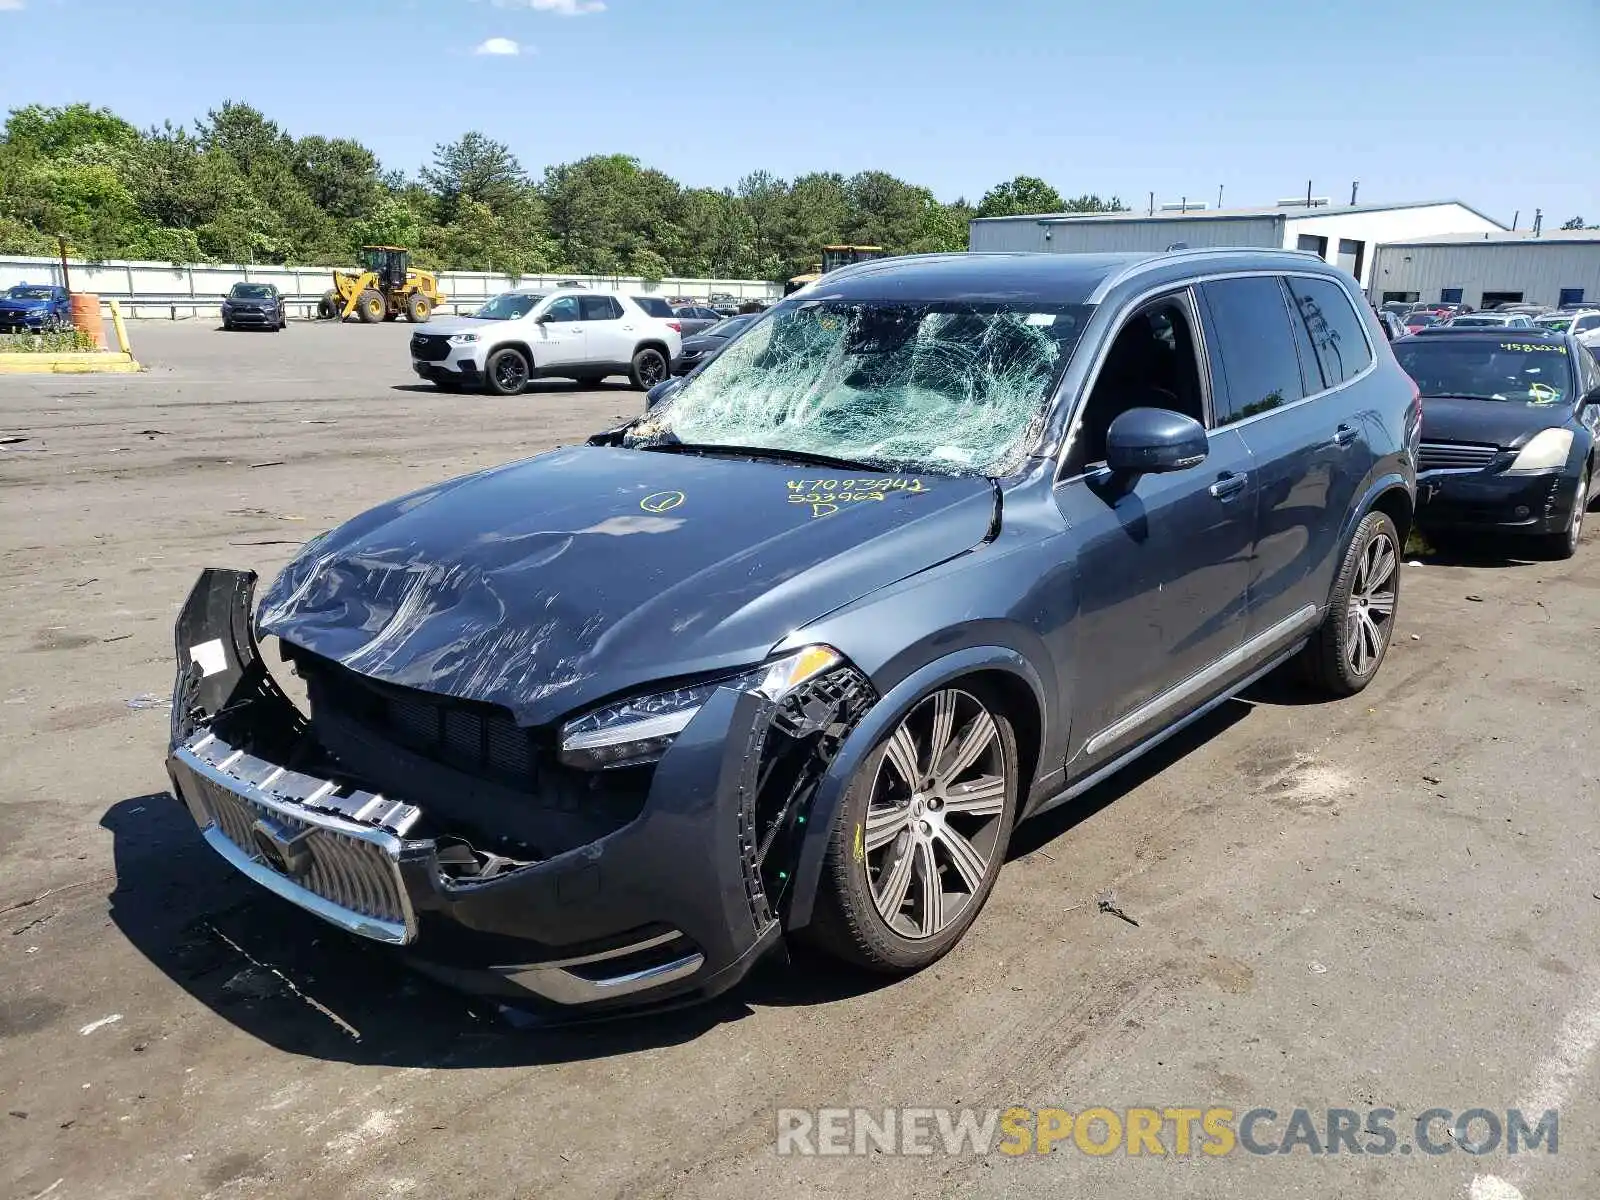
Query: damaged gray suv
(934,546)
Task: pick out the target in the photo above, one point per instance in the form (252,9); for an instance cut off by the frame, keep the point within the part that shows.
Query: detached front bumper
(1496,502)
(671,906)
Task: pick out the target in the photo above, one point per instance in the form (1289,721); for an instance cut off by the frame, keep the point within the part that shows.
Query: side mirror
(543,318)
(1591,399)
(1150,440)
(661,391)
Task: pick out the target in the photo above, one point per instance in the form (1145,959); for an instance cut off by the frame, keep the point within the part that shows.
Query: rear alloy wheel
(1565,543)
(371,307)
(1348,647)
(649,368)
(507,372)
(921,835)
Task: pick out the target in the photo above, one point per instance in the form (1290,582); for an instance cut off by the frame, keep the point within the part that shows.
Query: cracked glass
(949,388)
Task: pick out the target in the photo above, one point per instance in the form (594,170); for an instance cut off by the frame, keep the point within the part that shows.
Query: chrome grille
(353,839)
(1455,456)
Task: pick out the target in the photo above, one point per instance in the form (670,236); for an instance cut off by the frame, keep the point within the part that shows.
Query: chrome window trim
(1191,283)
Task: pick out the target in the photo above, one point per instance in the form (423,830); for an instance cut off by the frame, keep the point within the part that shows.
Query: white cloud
(562,8)
(17,5)
(504,47)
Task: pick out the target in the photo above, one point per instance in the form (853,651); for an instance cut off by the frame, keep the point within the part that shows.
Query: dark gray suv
(932,547)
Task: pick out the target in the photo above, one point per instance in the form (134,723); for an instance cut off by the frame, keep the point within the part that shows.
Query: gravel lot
(1390,901)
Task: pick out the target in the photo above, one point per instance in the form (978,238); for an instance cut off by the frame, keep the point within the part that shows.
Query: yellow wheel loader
(833,257)
(386,288)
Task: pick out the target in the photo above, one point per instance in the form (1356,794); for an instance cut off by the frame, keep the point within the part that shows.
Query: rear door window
(599,308)
(1251,347)
(1338,340)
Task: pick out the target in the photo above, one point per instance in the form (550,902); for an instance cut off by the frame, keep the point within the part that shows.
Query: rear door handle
(1344,435)
(1228,486)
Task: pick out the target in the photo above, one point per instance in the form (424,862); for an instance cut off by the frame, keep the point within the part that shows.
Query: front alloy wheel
(922,835)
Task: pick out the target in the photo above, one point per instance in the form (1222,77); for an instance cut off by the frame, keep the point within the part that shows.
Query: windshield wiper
(712,449)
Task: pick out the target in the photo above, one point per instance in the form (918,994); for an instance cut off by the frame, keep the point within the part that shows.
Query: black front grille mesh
(478,739)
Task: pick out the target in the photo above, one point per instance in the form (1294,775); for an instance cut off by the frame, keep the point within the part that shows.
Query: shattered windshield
(508,307)
(953,388)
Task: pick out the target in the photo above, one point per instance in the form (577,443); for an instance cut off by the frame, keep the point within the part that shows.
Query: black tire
(1562,545)
(418,309)
(330,306)
(1334,661)
(227,327)
(847,922)
(371,307)
(507,372)
(648,369)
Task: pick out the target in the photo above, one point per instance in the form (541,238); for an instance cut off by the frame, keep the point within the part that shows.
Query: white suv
(569,333)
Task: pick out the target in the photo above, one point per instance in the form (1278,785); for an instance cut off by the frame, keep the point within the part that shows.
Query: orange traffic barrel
(86,317)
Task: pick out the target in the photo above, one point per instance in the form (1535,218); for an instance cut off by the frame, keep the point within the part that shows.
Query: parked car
(708,343)
(695,318)
(658,309)
(1391,324)
(1416,321)
(1508,434)
(790,654)
(1490,320)
(566,333)
(254,306)
(35,308)
(1584,324)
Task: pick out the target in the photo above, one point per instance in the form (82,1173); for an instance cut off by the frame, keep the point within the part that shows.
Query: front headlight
(1545,450)
(638,730)
(463,339)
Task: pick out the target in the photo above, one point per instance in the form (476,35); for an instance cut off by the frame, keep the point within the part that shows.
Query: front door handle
(1344,435)
(1228,486)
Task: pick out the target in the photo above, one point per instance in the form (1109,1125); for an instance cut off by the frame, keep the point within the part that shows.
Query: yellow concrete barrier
(78,362)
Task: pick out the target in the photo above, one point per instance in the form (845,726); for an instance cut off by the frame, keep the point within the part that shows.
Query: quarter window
(1338,342)
(1251,346)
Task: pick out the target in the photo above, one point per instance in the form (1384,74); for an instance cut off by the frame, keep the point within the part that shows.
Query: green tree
(475,168)
(1022,196)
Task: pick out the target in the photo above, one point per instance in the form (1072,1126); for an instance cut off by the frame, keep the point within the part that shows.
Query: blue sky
(1416,100)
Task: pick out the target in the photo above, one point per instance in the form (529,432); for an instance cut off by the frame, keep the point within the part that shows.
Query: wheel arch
(514,344)
(651,343)
(999,669)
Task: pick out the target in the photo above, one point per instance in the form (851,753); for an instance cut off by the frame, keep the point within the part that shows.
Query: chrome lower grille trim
(1455,456)
(333,851)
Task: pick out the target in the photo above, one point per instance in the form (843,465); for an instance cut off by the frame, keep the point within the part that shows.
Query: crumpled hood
(551,583)
(1498,422)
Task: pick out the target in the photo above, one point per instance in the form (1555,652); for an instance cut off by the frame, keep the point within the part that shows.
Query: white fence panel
(149,289)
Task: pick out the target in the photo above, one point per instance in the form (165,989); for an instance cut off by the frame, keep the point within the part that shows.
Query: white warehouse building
(1559,267)
(1346,234)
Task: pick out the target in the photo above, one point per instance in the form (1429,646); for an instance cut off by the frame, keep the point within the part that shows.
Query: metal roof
(1236,214)
(1506,237)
